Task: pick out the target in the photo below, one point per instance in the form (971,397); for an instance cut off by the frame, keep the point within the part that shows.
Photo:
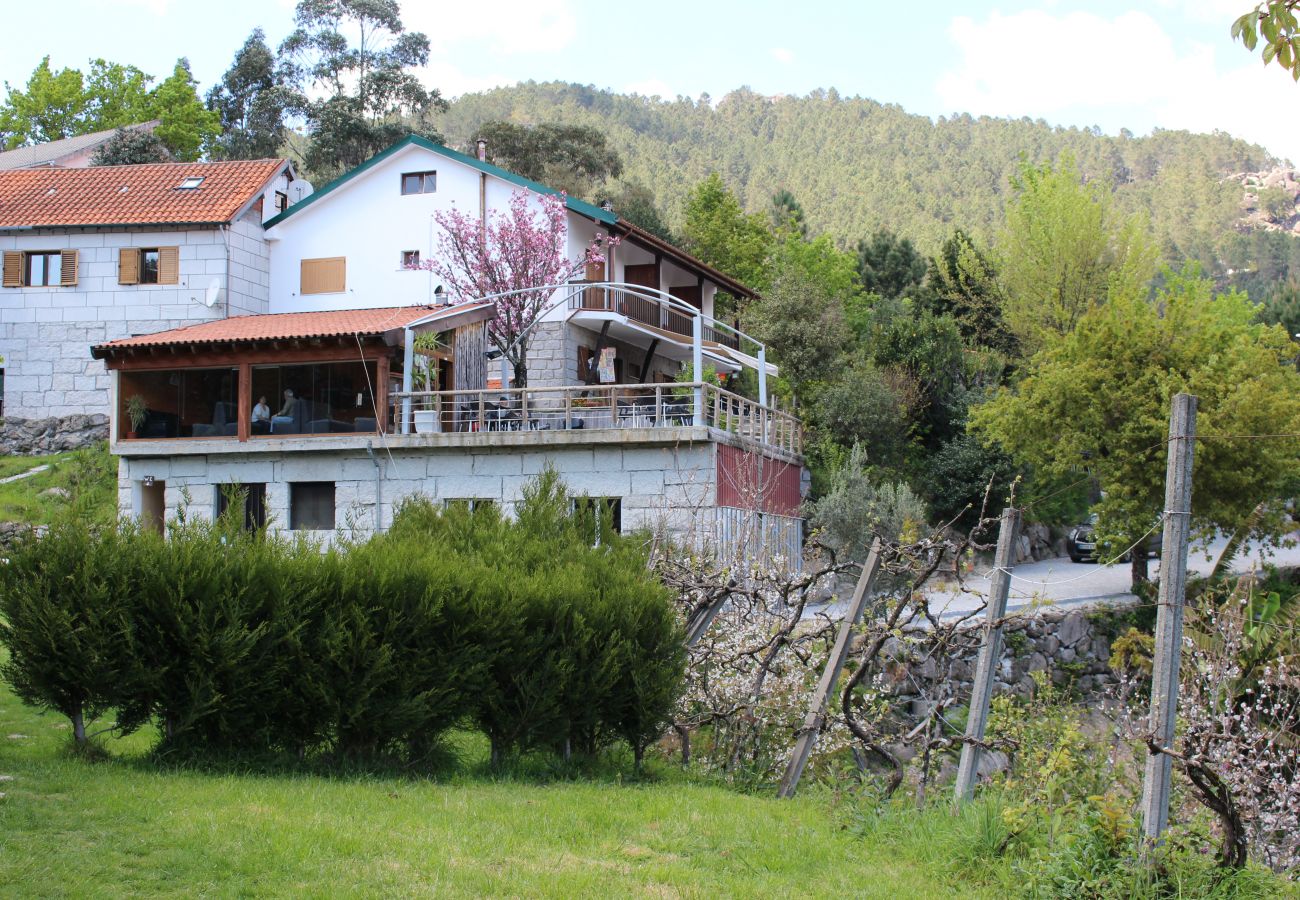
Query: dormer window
(419,182)
(192,183)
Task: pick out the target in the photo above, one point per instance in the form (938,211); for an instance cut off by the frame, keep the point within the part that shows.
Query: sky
(1139,65)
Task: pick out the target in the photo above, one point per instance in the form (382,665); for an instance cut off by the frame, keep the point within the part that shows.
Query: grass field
(126,826)
(89,475)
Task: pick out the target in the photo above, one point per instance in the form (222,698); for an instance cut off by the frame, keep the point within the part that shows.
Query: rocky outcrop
(30,437)
(1270,200)
(12,531)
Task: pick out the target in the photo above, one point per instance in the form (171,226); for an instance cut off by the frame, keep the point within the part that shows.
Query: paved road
(1061,582)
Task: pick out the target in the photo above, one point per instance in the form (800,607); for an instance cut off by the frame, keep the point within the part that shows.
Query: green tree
(963,282)
(117,96)
(1064,247)
(54,105)
(251,100)
(802,319)
(1099,397)
(1282,307)
(574,158)
(788,214)
(636,203)
(718,231)
(131,147)
(184,124)
(1275,21)
(889,265)
(372,98)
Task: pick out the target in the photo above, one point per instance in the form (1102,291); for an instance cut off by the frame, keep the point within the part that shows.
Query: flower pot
(130,435)
(426,421)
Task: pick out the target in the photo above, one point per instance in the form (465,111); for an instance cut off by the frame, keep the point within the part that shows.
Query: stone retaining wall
(30,437)
(1071,645)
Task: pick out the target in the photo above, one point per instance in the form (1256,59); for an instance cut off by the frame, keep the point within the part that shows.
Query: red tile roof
(289,326)
(131,195)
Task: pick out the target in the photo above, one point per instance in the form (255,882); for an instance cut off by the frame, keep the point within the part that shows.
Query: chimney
(482,150)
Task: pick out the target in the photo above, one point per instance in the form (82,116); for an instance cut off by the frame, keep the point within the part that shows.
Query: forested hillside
(856,165)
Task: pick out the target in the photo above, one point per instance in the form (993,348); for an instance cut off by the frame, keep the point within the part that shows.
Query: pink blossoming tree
(519,250)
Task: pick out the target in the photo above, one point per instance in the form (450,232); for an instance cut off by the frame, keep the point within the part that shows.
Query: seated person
(261,412)
(285,418)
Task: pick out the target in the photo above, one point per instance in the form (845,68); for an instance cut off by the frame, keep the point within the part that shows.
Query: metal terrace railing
(595,407)
(650,307)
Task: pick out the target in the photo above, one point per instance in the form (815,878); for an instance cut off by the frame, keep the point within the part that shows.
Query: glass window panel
(148,266)
(200,403)
(311,506)
(411,183)
(430,182)
(319,398)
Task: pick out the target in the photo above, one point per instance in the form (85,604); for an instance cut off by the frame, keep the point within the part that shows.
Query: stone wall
(1071,645)
(553,356)
(27,437)
(664,484)
(46,332)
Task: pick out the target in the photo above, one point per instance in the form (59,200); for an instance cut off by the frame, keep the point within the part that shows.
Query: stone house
(95,254)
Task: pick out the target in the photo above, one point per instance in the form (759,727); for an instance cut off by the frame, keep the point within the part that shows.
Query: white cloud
(451,81)
(783,55)
(1080,68)
(157,7)
(506,27)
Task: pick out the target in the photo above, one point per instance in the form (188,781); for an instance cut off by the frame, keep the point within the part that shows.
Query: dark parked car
(1081,543)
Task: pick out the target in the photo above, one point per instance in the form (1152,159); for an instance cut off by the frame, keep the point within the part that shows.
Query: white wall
(46,332)
(369,221)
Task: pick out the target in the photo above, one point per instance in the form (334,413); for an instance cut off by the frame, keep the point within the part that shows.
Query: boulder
(1073,628)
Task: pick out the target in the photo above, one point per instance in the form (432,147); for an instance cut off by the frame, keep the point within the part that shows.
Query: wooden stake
(990,653)
(1169,613)
(816,717)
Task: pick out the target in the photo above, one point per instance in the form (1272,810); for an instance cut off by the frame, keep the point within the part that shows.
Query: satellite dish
(213,292)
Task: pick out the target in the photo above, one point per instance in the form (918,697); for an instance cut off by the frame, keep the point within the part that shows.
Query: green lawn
(89,475)
(126,827)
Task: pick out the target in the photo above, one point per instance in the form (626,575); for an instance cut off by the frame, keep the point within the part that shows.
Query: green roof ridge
(581,207)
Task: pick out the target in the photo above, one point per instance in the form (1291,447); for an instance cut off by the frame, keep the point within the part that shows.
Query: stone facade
(46,332)
(553,356)
(663,483)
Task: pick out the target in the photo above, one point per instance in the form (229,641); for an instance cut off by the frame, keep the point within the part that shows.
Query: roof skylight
(191,183)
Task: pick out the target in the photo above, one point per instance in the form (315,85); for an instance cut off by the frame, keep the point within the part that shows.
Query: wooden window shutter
(169,265)
(128,266)
(68,270)
(13,268)
(324,276)
(584,364)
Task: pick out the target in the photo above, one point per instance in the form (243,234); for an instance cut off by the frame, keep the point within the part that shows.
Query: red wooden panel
(749,480)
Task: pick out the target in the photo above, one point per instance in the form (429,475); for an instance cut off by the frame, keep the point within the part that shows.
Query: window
(419,182)
(149,265)
(190,184)
(311,506)
(605,514)
(43,269)
(479,504)
(253,499)
(281,201)
(323,276)
(410,259)
(40,268)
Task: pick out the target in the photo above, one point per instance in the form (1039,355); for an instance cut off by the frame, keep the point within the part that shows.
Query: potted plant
(425,378)
(137,412)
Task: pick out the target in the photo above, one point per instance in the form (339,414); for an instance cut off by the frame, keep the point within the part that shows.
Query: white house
(316,411)
(96,254)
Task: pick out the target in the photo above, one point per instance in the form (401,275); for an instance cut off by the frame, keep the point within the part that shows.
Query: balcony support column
(408,371)
(762,375)
(697,365)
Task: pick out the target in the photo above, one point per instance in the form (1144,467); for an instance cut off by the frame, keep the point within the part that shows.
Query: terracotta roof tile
(288,326)
(130,195)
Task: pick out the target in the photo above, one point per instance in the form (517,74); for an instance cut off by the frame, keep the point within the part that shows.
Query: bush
(240,641)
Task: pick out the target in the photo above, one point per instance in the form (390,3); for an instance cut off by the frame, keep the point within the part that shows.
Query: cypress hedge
(545,631)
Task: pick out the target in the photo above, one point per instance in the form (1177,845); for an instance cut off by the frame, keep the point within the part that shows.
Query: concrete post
(1169,613)
(990,652)
(816,717)
(762,375)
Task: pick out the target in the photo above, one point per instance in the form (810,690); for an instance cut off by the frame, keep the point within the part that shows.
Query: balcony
(657,313)
(594,408)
